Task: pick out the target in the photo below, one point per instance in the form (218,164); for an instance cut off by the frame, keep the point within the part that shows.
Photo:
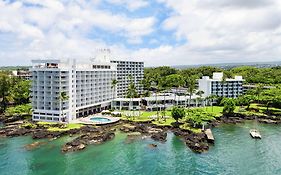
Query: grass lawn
(51,126)
(264,108)
(47,123)
(68,127)
(145,116)
(161,122)
(217,110)
(186,126)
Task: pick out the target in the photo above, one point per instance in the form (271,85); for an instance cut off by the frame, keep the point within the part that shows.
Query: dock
(255,134)
(210,136)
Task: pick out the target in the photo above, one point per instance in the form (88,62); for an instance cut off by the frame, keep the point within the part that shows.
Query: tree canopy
(13,91)
(178,113)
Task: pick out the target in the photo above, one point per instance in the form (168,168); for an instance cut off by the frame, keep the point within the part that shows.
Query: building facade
(154,102)
(87,87)
(22,73)
(128,71)
(220,86)
(248,87)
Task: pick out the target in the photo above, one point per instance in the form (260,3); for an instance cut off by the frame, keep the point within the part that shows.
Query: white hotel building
(87,85)
(126,69)
(230,87)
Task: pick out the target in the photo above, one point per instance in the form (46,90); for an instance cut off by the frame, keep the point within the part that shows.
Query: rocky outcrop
(135,127)
(34,145)
(18,132)
(157,134)
(128,128)
(82,141)
(268,121)
(161,136)
(42,133)
(9,119)
(238,118)
(231,120)
(86,129)
(197,142)
(14,131)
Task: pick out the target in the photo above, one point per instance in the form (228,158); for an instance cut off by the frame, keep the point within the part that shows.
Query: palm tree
(156,86)
(131,93)
(212,98)
(140,104)
(207,102)
(200,93)
(62,98)
(223,83)
(164,110)
(258,91)
(113,86)
(190,83)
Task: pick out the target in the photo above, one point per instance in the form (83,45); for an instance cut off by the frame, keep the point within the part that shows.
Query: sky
(158,32)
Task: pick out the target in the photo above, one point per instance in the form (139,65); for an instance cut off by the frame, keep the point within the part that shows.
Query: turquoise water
(100,119)
(234,153)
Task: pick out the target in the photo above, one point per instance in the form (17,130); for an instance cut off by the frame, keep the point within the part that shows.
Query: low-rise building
(22,73)
(155,102)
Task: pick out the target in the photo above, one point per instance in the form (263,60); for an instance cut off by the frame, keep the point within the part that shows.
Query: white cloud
(131,5)
(235,30)
(43,28)
(215,31)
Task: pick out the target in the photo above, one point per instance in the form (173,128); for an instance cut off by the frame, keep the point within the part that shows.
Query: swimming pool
(100,119)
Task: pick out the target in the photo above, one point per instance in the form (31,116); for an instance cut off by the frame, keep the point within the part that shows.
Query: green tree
(20,92)
(156,87)
(229,106)
(113,87)
(175,81)
(223,83)
(200,93)
(178,113)
(62,98)
(132,92)
(191,87)
(5,90)
(163,90)
(258,90)
(212,98)
(245,100)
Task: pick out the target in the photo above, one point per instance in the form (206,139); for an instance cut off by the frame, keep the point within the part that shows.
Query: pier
(210,136)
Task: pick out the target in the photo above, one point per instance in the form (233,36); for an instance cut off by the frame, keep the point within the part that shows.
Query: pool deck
(88,121)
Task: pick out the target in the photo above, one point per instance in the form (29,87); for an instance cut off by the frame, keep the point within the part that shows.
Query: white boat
(255,134)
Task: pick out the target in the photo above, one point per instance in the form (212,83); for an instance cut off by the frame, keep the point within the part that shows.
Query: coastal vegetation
(19,110)
(167,76)
(188,122)
(13,91)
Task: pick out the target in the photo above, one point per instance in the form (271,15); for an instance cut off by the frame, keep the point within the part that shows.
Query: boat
(255,134)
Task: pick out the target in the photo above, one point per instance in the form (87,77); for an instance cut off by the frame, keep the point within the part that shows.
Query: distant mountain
(232,65)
